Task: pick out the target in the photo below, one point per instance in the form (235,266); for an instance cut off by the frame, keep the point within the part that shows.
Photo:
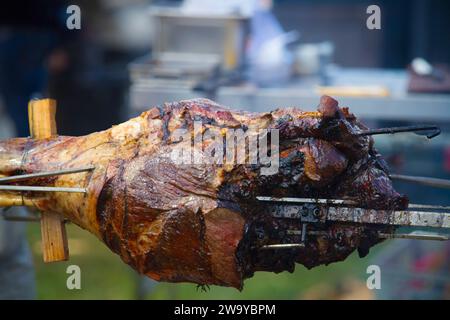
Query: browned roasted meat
(198,221)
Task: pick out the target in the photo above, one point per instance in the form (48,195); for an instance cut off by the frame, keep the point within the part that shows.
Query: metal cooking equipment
(181,33)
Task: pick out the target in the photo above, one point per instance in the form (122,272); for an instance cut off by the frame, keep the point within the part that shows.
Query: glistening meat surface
(197,221)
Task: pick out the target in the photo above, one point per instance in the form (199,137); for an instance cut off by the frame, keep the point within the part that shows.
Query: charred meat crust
(201,223)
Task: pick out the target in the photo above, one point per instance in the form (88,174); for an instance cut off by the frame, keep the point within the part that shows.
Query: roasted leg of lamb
(170,198)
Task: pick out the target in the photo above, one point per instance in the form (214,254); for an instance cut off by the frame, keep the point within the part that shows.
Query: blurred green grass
(105,276)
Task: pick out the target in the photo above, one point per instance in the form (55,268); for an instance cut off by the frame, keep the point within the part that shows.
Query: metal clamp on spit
(425,225)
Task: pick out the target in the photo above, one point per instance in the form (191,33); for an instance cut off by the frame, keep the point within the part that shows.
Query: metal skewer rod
(42,189)
(393,130)
(413,236)
(427,206)
(307,200)
(421,236)
(44,174)
(432,182)
(283,246)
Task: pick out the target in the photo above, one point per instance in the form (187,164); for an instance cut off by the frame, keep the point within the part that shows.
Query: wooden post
(41,116)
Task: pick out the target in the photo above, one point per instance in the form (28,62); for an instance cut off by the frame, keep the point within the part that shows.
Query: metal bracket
(313,211)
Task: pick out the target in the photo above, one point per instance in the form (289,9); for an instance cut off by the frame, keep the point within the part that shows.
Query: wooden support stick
(41,116)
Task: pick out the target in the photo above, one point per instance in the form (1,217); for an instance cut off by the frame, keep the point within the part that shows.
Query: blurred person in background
(16,267)
(29,34)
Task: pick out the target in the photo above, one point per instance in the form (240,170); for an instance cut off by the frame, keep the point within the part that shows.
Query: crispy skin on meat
(200,222)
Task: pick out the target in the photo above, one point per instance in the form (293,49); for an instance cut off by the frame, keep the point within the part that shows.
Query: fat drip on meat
(200,222)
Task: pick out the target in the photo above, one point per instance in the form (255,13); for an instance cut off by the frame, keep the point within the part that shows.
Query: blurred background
(254,55)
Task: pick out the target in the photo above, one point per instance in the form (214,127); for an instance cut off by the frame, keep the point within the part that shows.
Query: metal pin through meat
(42,189)
(307,200)
(427,206)
(432,182)
(413,236)
(435,130)
(45,174)
(283,246)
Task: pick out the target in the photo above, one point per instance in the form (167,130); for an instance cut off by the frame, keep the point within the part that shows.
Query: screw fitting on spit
(316,212)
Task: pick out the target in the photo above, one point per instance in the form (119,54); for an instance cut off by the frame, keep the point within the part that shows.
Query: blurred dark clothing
(34,14)
(23,72)
(29,31)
